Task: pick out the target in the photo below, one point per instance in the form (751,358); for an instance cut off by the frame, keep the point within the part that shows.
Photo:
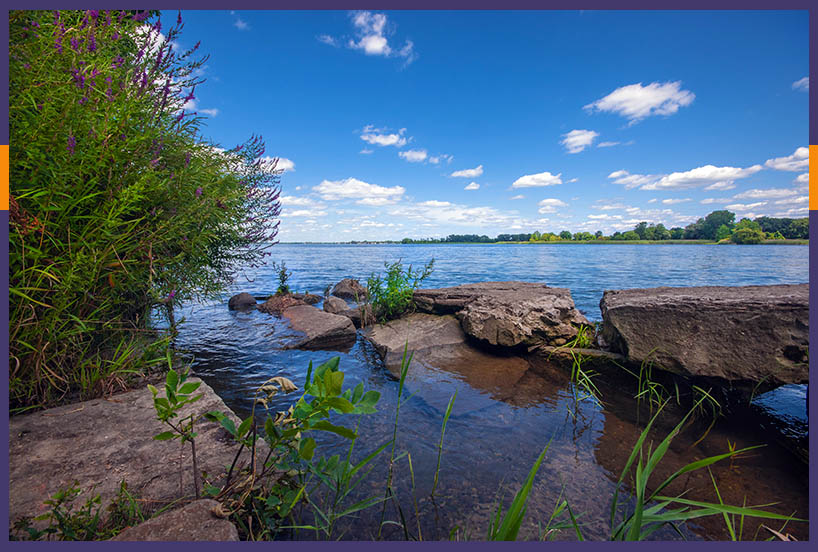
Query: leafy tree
(677,233)
(640,230)
(714,220)
(630,235)
(598,234)
(723,232)
(660,232)
(536,236)
(565,235)
(747,235)
(797,229)
(747,223)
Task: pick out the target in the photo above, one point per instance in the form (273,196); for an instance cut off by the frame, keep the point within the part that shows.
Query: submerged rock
(335,305)
(349,288)
(750,333)
(321,330)
(196,521)
(241,301)
(507,314)
(278,303)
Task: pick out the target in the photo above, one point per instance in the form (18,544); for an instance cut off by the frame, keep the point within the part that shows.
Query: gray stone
(319,330)
(278,303)
(241,301)
(349,288)
(750,334)
(101,442)
(201,520)
(507,314)
(335,305)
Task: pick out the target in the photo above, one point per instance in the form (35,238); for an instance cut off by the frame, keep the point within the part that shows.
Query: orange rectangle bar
(813,176)
(4,186)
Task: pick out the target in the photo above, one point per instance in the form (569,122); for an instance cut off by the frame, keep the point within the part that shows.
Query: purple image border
(415,5)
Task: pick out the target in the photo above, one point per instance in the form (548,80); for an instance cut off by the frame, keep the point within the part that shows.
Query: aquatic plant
(440,445)
(283,275)
(391,295)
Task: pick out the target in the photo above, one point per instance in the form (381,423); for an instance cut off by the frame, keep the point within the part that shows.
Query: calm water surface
(502,419)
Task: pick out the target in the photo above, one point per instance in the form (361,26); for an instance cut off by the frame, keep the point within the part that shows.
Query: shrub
(391,296)
(118,206)
(283,276)
(747,235)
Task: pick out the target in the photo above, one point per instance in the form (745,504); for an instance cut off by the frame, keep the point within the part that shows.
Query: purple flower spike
(198,191)
(92,43)
(172,294)
(187,159)
(179,18)
(75,44)
(83,100)
(72,143)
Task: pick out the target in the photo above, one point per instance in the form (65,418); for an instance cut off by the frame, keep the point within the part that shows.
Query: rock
(308,298)
(321,330)
(438,342)
(278,303)
(741,334)
(241,301)
(335,305)
(193,522)
(507,314)
(360,320)
(349,288)
(101,442)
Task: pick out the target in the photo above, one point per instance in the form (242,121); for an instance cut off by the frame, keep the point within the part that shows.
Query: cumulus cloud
(798,161)
(519,196)
(550,205)
(293,200)
(469,173)
(743,207)
(326,39)
(303,213)
(238,22)
(283,165)
(636,102)
(803,178)
(472,186)
(720,186)
(577,140)
(414,156)
(631,180)
(537,180)
(769,193)
(383,137)
(675,201)
(710,200)
(707,175)
(370,31)
(366,151)
(792,200)
(801,84)
(440,158)
(436,213)
(364,192)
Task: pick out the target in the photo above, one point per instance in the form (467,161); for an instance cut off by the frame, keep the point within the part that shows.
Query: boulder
(362,316)
(335,305)
(349,288)
(201,520)
(738,334)
(507,314)
(278,303)
(241,301)
(308,298)
(318,329)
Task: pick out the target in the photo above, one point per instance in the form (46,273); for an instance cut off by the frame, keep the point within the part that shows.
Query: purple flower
(141,16)
(187,159)
(158,25)
(35,24)
(172,294)
(115,36)
(107,18)
(109,94)
(72,143)
(154,162)
(179,18)
(118,61)
(83,100)
(198,191)
(92,43)
(93,13)
(75,44)
(58,42)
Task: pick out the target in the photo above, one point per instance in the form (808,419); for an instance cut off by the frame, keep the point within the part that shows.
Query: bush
(747,235)
(118,205)
(391,296)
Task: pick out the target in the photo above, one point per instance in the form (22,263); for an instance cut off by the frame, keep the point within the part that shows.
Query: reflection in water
(505,413)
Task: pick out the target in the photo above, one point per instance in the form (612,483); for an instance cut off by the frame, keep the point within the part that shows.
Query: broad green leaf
(172,379)
(307,448)
(189,387)
(164,436)
(324,425)
(244,427)
(341,404)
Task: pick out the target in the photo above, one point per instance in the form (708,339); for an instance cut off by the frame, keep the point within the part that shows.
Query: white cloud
(769,193)
(379,136)
(654,200)
(710,200)
(550,205)
(366,151)
(632,180)
(326,39)
(803,178)
(607,144)
(675,201)
(442,157)
(413,156)
(365,193)
(798,161)
(635,102)
(239,23)
(435,203)
(793,200)
(797,212)
(605,216)
(520,196)
(372,224)
(469,173)
(472,186)
(572,180)
(537,180)
(298,201)
(720,186)
(303,213)
(577,140)
(801,84)
(283,165)
(744,206)
(700,176)
(370,29)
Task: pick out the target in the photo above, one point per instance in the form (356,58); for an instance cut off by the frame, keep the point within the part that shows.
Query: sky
(427,123)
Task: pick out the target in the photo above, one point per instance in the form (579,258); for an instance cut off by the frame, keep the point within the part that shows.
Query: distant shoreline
(565,242)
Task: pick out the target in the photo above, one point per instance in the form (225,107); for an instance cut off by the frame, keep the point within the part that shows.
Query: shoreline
(566,242)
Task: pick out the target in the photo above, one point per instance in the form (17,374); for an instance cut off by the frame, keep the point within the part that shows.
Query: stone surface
(750,333)
(507,314)
(101,442)
(308,298)
(335,305)
(278,303)
(193,522)
(439,342)
(349,288)
(241,300)
(318,329)
(361,316)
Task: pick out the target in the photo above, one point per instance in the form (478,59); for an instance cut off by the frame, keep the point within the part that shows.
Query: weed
(391,295)
(283,275)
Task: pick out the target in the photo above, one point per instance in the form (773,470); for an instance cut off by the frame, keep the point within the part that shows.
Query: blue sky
(421,124)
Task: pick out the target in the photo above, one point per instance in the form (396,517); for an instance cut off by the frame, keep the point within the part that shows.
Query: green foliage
(391,295)
(723,232)
(118,205)
(747,235)
(283,275)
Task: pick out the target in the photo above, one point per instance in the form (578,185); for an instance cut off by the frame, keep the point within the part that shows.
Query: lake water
(501,421)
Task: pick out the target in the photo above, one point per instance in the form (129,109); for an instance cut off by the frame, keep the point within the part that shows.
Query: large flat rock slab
(101,442)
(750,333)
(319,330)
(193,522)
(507,314)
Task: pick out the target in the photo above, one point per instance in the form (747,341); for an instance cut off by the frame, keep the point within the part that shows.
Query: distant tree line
(717,226)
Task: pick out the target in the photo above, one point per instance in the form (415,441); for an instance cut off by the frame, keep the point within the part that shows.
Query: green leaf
(228,424)
(357,393)
(244,427)
(370,398)
(164,436)
(324,425)
(341,404)
(153,390)
(307,448)
(172,379)
(189,387)
(214,416)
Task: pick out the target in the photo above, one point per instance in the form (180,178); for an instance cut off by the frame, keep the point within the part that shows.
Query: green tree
(565,235)
(640,230)
(714,220)
(677,233)
(747,235)
(797,229)
(723,232)
(660,232)
(630,235)
(118,205)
